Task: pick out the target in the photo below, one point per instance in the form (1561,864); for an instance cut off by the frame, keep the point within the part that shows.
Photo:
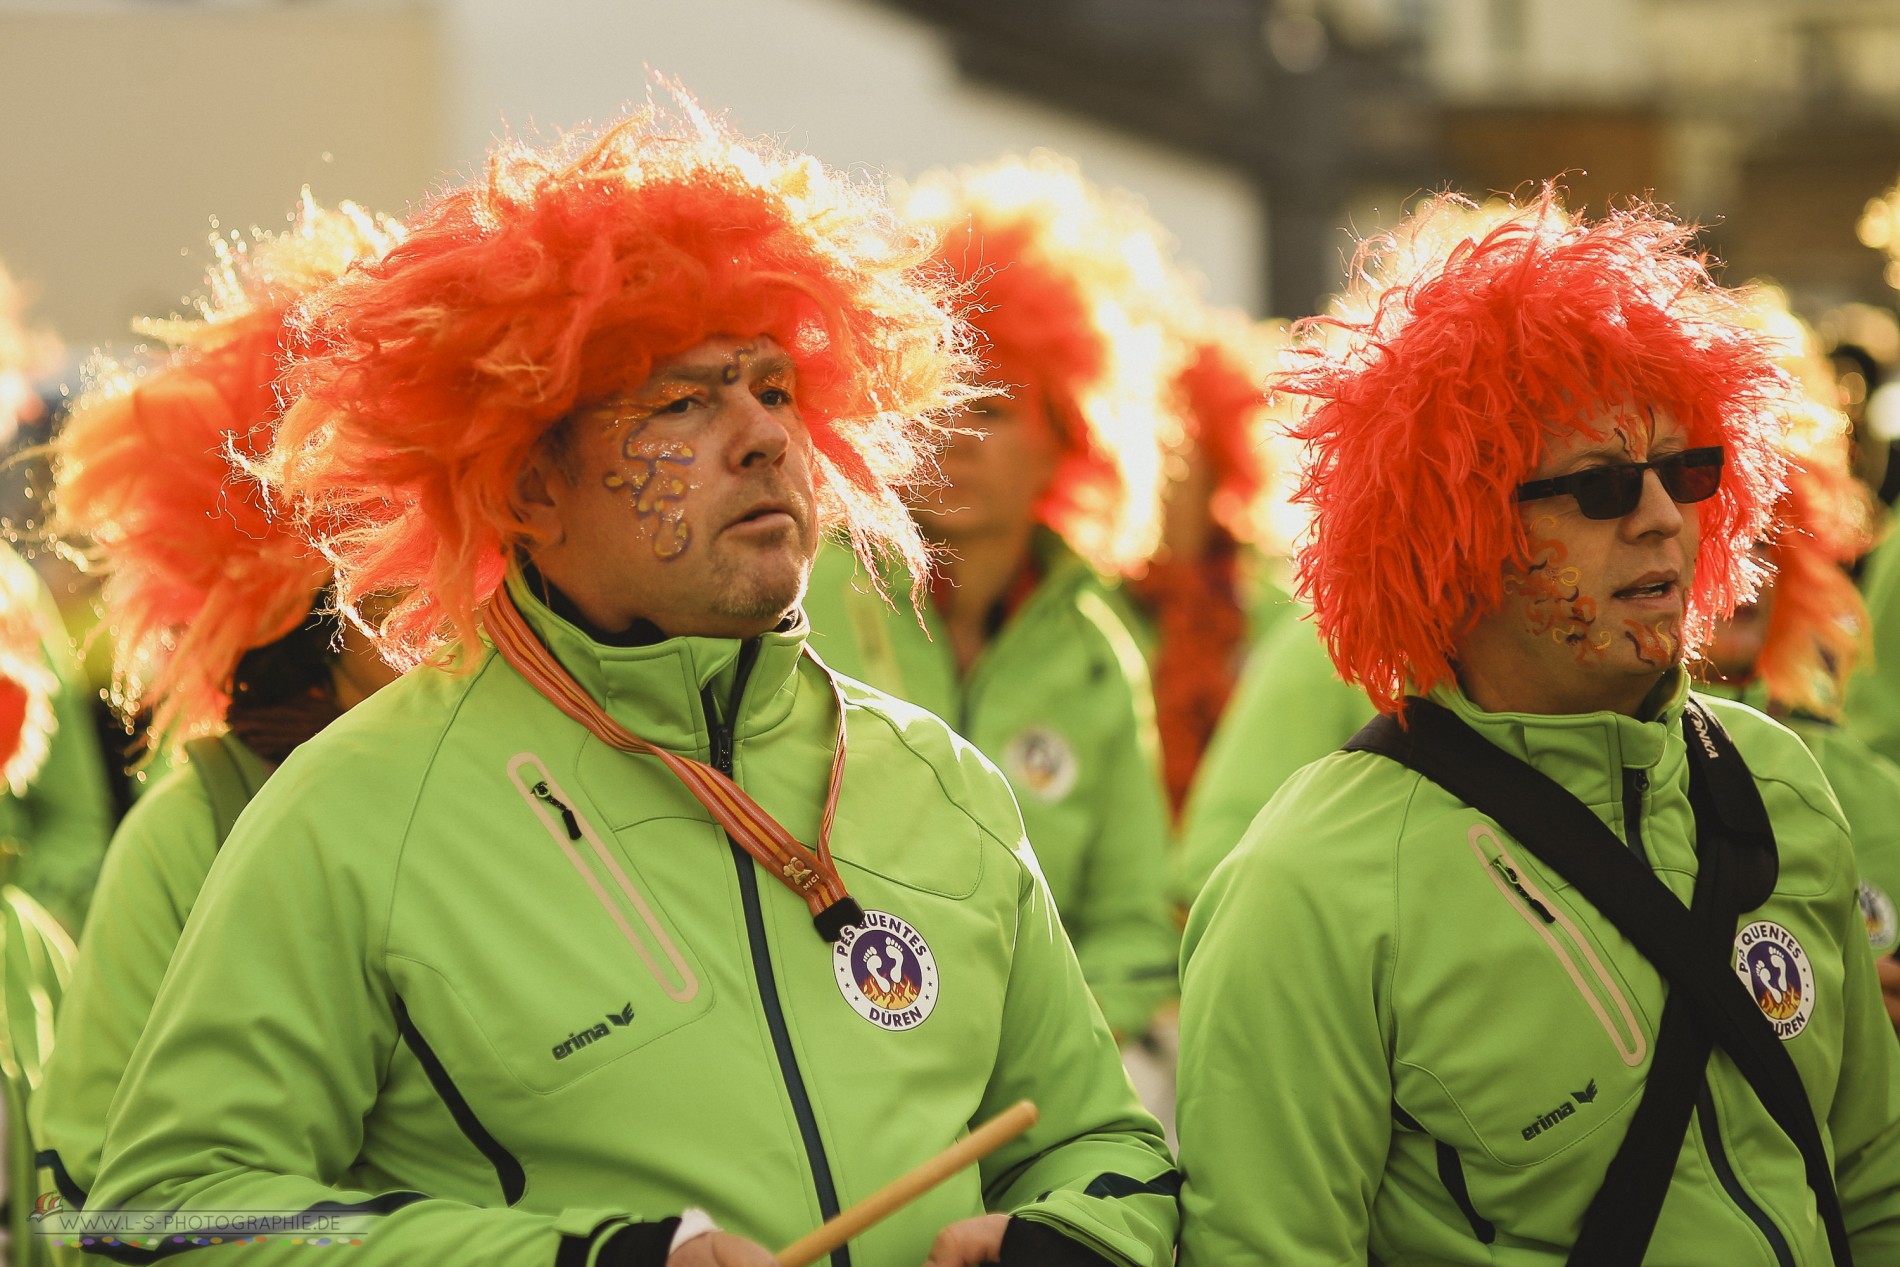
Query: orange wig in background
(1067,287)
(1461,355)
(1818,627)
(199,566)
(554,280)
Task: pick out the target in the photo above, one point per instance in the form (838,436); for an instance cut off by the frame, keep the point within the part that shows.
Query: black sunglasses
(1610,492)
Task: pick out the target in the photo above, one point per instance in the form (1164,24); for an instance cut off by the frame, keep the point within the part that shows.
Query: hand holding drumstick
(962,1244)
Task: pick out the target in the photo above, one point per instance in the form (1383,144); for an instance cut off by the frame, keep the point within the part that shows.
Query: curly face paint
(1554,604)
(654,473)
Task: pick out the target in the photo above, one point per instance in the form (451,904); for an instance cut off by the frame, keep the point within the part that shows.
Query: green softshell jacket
(1867,785)
(1060,700)
(1402,1035)
(1872,708)
(489,989)
(152,875)
(1868,788)
(1289,708)
(54,835)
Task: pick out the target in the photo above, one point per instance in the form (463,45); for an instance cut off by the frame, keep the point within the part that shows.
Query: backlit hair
(1468,343)
(554,280)
(1818,627)
(199,565)
(1068,287)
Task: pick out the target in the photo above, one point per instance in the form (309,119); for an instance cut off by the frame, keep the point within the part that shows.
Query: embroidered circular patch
(1883,926)
(886,972)
(1041,762)
(1774,967)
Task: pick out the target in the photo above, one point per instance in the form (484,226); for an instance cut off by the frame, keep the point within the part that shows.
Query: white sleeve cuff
(694,1223)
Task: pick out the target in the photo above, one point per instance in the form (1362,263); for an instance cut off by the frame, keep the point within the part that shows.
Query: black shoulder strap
(1689,948)
(226,784)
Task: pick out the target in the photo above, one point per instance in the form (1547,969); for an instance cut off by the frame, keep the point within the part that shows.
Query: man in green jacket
(1049,485)
(1536,463)
(629,935)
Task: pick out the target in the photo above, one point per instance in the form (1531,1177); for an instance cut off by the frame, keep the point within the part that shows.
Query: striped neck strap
(808,873)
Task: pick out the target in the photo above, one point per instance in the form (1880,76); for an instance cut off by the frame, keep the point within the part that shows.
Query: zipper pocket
(1548,919)
(553,808)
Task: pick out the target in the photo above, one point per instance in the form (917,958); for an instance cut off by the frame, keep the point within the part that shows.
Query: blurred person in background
(1049,485)
(1790,651)
(509,964)
(221,628)
(1204,598)
(1502,936)
(55,824)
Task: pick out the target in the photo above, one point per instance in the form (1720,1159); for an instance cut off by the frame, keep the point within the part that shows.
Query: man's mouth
(1651,585)
(767,514)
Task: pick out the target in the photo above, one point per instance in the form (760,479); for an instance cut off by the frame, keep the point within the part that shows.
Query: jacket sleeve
(69,804)
(1285,1109)
(1864,1118)
(1289,709)
(268,1042)
(152,875)
(1094,1167)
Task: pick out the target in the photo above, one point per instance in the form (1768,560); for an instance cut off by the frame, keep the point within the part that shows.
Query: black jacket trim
(508,1171)
(629,1245)
(71,1193)
(1110,1185)
(1027,1244)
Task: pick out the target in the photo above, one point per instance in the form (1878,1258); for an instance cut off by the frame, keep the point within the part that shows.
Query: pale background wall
(126,126)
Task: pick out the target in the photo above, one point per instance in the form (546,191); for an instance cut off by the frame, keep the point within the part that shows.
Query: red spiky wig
(199,565)
(555,279)
(1066,286)
(1818,627)
(1463,349)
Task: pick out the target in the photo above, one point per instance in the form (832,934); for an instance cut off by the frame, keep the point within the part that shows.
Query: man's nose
(761,436)
(1656,511)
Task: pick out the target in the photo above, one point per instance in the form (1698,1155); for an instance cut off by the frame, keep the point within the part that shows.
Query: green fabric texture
(1872,710)
(597,999)
(36,958)
(58,830)
(1060,700)
(1376,947)
(1867,785)
(154,870)
(1288,709)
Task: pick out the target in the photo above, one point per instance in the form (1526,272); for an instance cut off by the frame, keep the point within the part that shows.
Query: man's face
(995,475)
(688,501)
(1596,619)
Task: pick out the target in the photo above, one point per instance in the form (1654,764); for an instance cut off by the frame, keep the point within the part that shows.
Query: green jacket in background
(1060,700)
(489,989)
(1402,1035)
(153,873)
(1867,785)
(59,828)
(1872,711)
(1288,709)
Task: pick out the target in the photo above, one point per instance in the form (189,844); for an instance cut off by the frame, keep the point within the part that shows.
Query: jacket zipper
(1635,784)
(720,729)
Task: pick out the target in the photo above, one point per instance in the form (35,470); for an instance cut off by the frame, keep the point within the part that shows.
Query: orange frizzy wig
(1457,358)
(554,280)
(1818,626)
(1222,389)
(1068,288)
(199,566)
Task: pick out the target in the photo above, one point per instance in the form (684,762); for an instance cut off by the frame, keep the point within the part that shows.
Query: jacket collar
(654,689)
(1588,752)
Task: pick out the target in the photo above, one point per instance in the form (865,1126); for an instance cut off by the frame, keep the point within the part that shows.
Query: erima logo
(593,1033)
(1702,733)
(1586,1096)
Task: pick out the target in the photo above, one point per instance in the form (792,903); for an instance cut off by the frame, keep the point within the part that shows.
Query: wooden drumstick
(897,1194)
